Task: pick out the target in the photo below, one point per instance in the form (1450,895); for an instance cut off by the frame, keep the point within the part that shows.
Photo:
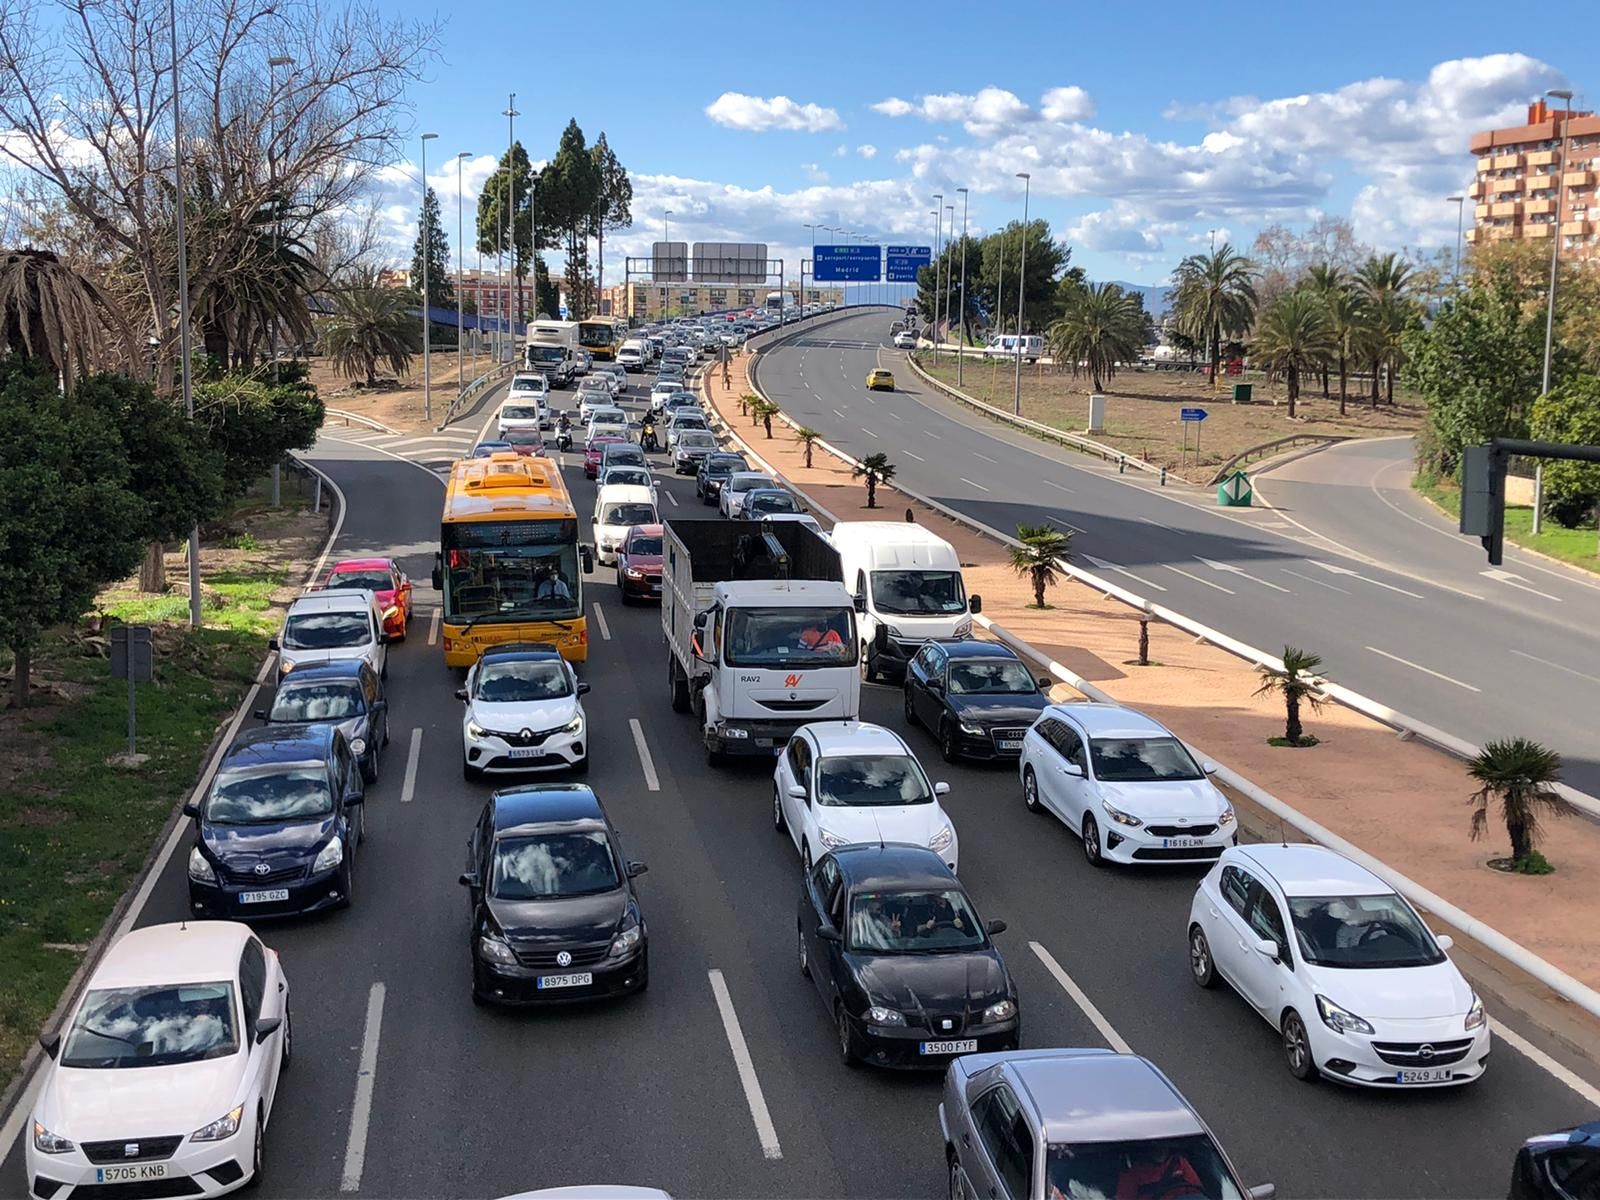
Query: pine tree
(508,230)
(431,241)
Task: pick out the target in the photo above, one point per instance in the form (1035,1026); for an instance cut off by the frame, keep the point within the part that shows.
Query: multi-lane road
(1408,616)
(721,1080)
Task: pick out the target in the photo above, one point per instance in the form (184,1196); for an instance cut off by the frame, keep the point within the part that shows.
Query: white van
(520,412)
(618,507)
(910,580)
(1005,346)
(333,626)
(633,355)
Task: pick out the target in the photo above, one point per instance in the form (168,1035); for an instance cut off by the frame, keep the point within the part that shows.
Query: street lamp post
(938,256)
(961,342)
(461,269)
(1022,293)
(1550,302)
(949,270)
(424,236)
(195,615)
(1461,207)
(273,63)
(511,114)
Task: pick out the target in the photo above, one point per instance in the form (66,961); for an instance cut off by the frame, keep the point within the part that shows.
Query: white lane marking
(1558,666)
(1337,570)
(672,498)
(1081,998)
(1107,565)
(1425,670)
(413,756)
(646,763)
(1511,579)
(838,414)
(1197,579)
(934,436)
(1318,582)
(433,626)
(355,1149)
(765,1130)
(895,415)
(600,620)
(1157,524)
(918,457)
(1547,1064)
(979,486)
(868,432)
(1233,570)
(986,458)
(1058,487)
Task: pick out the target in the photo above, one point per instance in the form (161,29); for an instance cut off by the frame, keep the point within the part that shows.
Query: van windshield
(628,514)
(918,593)
(519,412)
(326,631)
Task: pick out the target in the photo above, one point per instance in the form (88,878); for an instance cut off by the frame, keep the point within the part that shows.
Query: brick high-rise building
(1520,171)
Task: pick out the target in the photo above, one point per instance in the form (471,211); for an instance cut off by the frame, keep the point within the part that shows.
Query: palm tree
(51,313)
(875,469)
(1294,336)
(807,437)
(1383,280)
(1326,281)
(1101,327)
(1297,682)
(1038,559)
(370,326)
(1215,296)
(263,292)
(1349,323)
(1520,774)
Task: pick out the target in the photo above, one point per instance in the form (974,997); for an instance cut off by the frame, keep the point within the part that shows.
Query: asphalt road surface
(1424,627)
(649,1090)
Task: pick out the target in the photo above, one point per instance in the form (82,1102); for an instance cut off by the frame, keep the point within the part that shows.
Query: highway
(656,1089)
(1427,628)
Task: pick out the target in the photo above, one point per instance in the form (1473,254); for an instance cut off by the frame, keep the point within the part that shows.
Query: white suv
(522,713)
(332,626)
(845,783)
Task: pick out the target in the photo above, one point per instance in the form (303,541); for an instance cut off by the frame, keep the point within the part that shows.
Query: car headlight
(200,867)
(893,632)
(974,730)
(633,572)
(496,950)
(358,745)
(573,726)
(284,667)
(1475,1015)
(46,1142)
(392,611)
(330,856)
(832,841)
(628,937)
(224,1126)
(1226,816)
(942,841)
(878,1015)
(964,629)
(1004,1010)
(1340,1020)
(1120,817)
(474,730)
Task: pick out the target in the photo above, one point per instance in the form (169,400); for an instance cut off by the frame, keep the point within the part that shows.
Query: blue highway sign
(847,264)
(904,261)
(1194,414)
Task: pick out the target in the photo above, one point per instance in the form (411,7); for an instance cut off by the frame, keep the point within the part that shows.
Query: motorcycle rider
(564,432)
(647,436)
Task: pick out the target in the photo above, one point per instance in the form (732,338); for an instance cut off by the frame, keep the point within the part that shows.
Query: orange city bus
(601,337)
(510,565)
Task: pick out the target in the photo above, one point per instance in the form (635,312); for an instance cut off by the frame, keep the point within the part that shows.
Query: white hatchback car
(846,783)
(522,713)
(332,626)
(618,508)
(592,394)
(521,412)
(164,1076)
(1126,785)
(730,499)
(1358,988)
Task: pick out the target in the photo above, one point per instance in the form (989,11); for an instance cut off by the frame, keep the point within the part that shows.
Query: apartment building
(1528,172)
(648,301)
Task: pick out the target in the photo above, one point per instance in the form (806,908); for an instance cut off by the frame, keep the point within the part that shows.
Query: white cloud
(867,151)
(814,173)
(1121,229)
(753,114)
(988,113)
(1066,104)
(894,107)
(840,151)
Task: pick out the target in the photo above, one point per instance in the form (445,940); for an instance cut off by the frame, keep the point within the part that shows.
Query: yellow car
(877,380)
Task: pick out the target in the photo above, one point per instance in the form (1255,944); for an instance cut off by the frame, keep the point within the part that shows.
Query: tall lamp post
(1550,303)
(424,237)
(1461,207)
(949,271)
(533,238)
(461,270)
(1022,294)
(938,256)
(961,343)
(195,615)
(511,114)
(273,63)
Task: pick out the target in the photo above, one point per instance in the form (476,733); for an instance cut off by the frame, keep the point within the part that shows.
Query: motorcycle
(647,440)
(564,435)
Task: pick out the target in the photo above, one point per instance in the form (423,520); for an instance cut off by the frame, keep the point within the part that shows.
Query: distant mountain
(1155,297)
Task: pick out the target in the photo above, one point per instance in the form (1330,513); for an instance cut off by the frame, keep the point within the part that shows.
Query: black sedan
(347,693)
(976,697)
(904,965)
(554,913)
(1559,1166)
(714,471)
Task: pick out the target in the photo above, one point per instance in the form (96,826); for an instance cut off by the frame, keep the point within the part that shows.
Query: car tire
(369,769)
(349,881)
(954,1186)
(581,767)
(1030,791)
(949,749)
(869,673)
(677,684)
(1297,1048)
(385,730)
(1091,843)
(911,709)
(805,858)
(258,1163)
(778,822)
(469,772)
(286,1047)
(1202,967)
(805,958)
(622,592)
(845,1038)
(714,755)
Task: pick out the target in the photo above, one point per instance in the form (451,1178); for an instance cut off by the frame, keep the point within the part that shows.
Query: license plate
(133,1173)
(580,979)
(955,1046)
(1423,1075)
(1183,843)
(1008,744)
(525,752)
(268,897)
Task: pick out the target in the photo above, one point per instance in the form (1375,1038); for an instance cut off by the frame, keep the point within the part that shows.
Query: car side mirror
(1210,768)
(827,932)
(586,557)
(1263,1191)
(859,602)
(880,638)
(974,605)
(1046,683)
(1444,941)
(941,788)
(1268,948)
(50,1043)
(699,620)
(797,791)
(469,879)
(583,689)
(636,869)
(191,809)
(272,644)
(438,580)
(995,926)
(379,706)
(461,693)
(266,1027)
(260,714)
(1072,768)
(353,798)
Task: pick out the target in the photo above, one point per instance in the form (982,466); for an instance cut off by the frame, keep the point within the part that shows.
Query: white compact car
(659,392)
(524,412)
(905,340)
(593,393)
(617,509)
(332,626)
(683,420)
(522,714)
(731,498)
(606,421)
(846,783)
(630,475)
(1358,988)
(1126,785)
(162,1080)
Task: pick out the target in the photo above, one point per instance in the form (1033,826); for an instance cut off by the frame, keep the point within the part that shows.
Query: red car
(639,564)
(527,442)
(386,581)
(592,450)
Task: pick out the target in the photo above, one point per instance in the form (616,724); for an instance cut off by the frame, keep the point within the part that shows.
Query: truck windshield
(790,637)
(918,593)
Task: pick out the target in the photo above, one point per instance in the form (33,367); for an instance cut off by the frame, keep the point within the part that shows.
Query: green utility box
(1242,392)
(1235,491)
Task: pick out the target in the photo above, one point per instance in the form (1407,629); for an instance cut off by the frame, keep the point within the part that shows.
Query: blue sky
(1144,126)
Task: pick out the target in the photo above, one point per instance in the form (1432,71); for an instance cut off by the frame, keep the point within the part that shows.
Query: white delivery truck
(552,349)
(1005,346)
(761,634)
(907,583)
(633,355)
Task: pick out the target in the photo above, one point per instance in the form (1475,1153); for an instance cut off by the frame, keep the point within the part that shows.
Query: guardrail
(350,418)
(487,379)
(1265,448)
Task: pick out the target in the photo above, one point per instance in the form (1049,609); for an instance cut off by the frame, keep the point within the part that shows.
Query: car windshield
(722,466)
(628,514)
(266,794)
(790,637)
(990,677)
(372,579)
(519,412)
(317,701)
(634,476)
(864,780)
(524,437)
(1142,760)
(326,631)
(1371,932)
(775,502)
(916,922)
(156,1026)
(645,544)
(1155,1168)
(623,455)
(749,483)
(696,439)
(684,419)
(521,682)
(912,593)
(548,866)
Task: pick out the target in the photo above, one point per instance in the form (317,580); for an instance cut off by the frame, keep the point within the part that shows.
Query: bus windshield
(596,334)
(511,571)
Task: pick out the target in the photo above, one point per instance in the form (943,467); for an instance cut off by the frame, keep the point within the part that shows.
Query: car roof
(726,456)
(1103,1098)
(751,475)
(360,564)
(1111,720)
(333,600)
(183,952)
(653,530)
(1305,870)
(537,804)
(891,865)
(267,744)
(520,652)
(625,493)
(978,648)
(836,738)
(351,669)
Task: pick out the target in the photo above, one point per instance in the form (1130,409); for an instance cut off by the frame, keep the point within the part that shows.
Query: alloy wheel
(805,961)
(777,810)
(1030,790)
(1091,842)
(1201,968)
(1297,1048)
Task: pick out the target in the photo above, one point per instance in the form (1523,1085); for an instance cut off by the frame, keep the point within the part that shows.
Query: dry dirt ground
(398,403)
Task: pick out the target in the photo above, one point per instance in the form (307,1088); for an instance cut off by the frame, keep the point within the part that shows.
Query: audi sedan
(976,697)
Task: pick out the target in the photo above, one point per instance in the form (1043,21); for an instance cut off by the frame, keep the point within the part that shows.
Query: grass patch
(1304,742)
(1579,547)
